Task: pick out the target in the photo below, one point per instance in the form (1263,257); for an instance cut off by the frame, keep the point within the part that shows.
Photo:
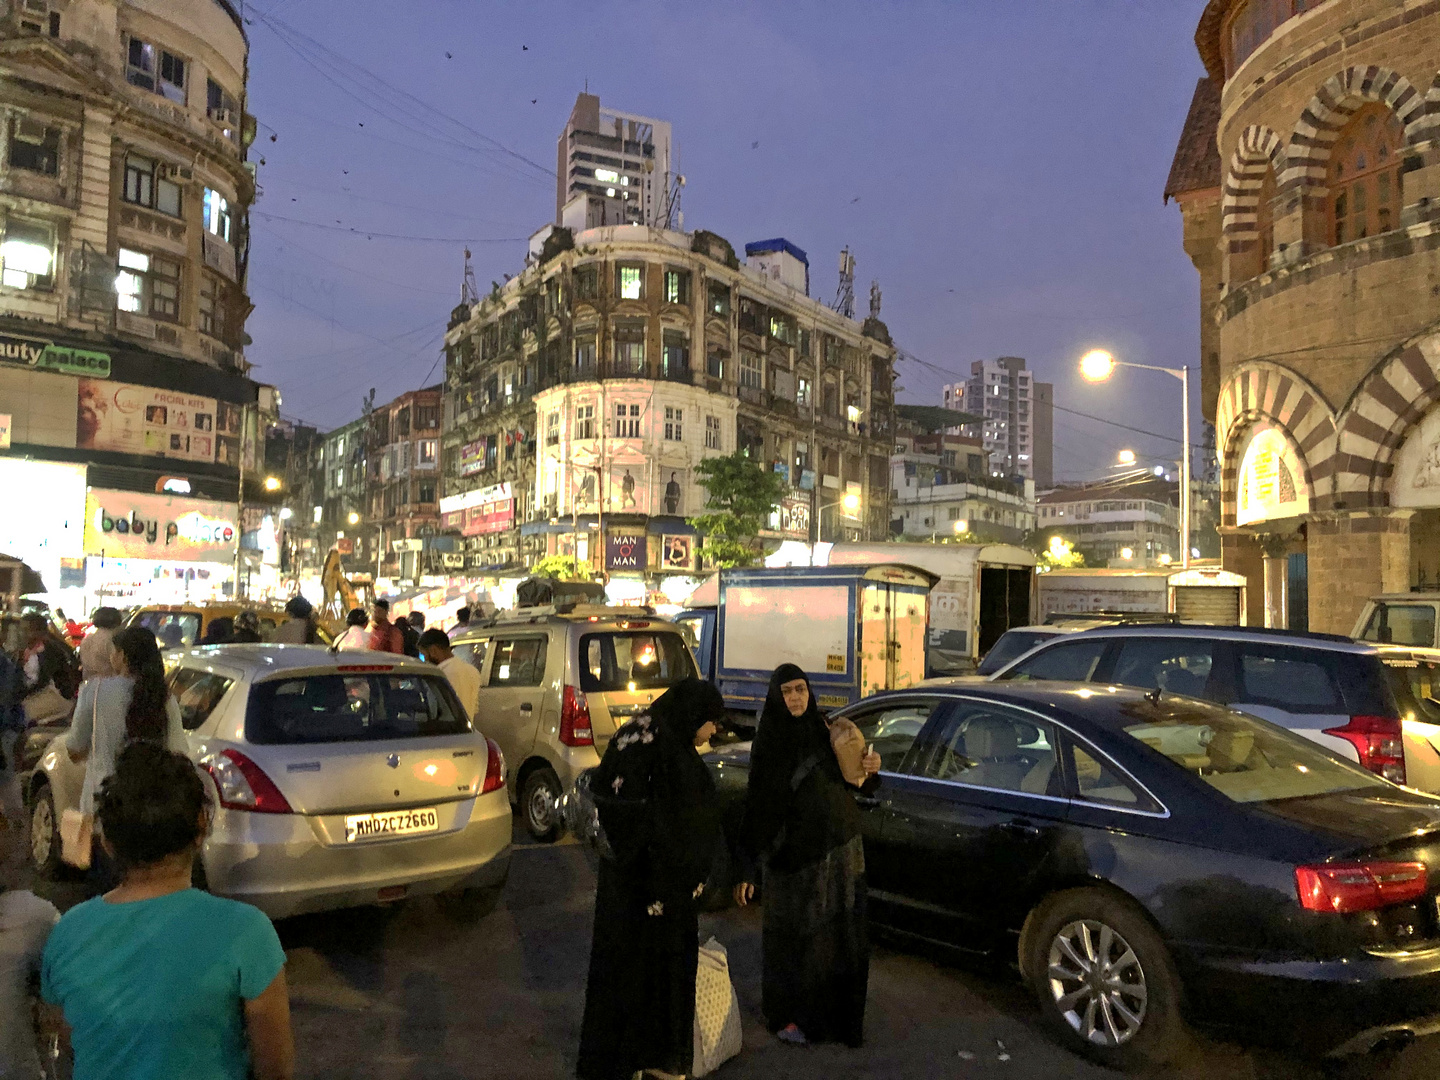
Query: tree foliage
(561,568)
(740,498)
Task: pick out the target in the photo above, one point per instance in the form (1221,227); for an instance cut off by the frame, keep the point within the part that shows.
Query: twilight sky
(996,166)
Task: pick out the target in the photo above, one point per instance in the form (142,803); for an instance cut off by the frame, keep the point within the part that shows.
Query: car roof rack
(572,609)
(1122,617)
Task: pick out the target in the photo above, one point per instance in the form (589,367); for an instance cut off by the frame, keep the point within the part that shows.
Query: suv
(1018,641)
(556,682)
(1368,703)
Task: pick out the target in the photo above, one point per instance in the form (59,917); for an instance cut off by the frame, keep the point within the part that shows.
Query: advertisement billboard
(145,420)
(132,525)
(625,551)
(484,510)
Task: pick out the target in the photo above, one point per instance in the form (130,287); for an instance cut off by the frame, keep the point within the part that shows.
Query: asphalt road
(407,993)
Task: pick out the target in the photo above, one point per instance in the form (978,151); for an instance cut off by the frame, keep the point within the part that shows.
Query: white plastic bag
(717,1011)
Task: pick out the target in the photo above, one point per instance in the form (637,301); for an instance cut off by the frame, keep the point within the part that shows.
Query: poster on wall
(132,525)
(1271,483)
(484,510)
(672,491)
(677,552)
(144,420)
(625,551)
(628,490)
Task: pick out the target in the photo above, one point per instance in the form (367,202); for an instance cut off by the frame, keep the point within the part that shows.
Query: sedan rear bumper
(1331,1006)
(279,862)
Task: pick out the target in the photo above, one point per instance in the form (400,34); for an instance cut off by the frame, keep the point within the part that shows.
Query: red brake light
(575,719)
(494,768)
(1345,887)
(1380,743)
(243,785)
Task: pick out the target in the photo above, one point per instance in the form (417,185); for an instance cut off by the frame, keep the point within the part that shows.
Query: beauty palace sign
(133,525)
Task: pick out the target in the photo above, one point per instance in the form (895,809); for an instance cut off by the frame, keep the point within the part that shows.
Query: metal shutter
(1217,605)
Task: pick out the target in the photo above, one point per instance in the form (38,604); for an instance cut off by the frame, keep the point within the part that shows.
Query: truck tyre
(540,804)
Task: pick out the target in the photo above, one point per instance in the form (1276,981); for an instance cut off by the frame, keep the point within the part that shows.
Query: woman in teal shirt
(154,978)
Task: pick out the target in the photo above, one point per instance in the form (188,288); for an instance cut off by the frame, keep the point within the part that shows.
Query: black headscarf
(687,707)
(797,805)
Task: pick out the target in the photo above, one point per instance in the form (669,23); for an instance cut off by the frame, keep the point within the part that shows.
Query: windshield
(352,708)
(1012,643)
(172,629)
(632,661)
(1248,760)
(1401,624)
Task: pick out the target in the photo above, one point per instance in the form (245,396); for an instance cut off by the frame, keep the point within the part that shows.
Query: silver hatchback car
(337,780)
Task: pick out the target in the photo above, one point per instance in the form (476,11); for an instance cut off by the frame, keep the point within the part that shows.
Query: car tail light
(1358,886)
(575,727)
(243,785)
(494,768)
(1380,743)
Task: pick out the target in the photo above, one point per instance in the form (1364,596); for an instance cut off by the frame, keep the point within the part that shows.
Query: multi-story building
(1129,522)
(402,485)
(613,168)
(941,486)
(1308,179)
(343,507)
(1018,426)
(593,383)
(124,192)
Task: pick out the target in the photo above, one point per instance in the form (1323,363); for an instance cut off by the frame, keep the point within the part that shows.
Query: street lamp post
(1098,365)
(851,502)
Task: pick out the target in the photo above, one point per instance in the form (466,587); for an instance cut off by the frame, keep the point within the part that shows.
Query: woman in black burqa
(802,822)
(659,812)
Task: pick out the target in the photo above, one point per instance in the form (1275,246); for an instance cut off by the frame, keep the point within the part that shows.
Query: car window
(1297,680)
(1243,758)
(1071,661)
(1416,685)
(614,660)
(197,693)
(1098,781)
(991,746)
(472,652)
(519,661)
(1401,624)
(1179,665)
(172,629)
(352,708)
(893,731)
(1012,643)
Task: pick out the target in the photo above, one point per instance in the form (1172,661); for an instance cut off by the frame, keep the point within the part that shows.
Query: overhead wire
(373,234)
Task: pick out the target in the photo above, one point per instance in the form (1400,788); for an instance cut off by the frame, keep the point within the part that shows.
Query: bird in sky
(448,56)
(755,145)
(524,48)
(533,100)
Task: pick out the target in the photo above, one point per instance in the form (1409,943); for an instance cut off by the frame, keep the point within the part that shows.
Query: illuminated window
(148,285)
(630,285)
(802,392)
(1365,177)
(155,70)
(719,300)
(27,255)
(607,176)
(428,449)
(217,214)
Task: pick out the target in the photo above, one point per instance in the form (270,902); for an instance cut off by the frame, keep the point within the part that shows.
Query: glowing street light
(851,502)
(1127,554)
(1125,457)
(272,483)
(286,513)
(962,526)
(354,518)
(1097,365)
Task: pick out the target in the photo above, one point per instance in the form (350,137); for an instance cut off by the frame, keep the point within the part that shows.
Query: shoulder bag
(77,829)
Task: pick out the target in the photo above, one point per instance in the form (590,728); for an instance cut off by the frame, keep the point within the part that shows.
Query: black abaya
(801,821)
(658,809)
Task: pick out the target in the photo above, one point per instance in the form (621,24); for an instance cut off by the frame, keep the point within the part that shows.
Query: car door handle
(1021,827)
(525,706)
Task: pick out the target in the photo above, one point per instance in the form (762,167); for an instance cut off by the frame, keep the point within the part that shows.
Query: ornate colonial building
(583,392)
(124,191)
(1308,177)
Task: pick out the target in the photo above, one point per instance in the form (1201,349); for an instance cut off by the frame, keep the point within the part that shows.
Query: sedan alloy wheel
(1098,983)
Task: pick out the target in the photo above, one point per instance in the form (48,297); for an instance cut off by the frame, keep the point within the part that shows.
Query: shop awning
(16,577)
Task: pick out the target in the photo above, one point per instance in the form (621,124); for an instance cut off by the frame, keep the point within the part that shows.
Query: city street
(407,993)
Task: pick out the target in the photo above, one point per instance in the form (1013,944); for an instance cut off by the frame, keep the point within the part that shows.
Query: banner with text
(129,524)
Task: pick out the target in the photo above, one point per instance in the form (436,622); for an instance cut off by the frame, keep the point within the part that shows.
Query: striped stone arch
(1260,390)
(1388,403)
(1258,151)
(1427,125)
(1338,99)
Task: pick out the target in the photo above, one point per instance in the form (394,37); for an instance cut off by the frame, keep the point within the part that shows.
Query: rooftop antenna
(674,216)
(845,294)
(874,299)
(469,290)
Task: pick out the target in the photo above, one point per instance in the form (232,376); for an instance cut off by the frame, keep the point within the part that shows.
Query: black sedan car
(1151,857)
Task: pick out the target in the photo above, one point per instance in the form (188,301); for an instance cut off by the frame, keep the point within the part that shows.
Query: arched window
(1365,193)
(1265,223)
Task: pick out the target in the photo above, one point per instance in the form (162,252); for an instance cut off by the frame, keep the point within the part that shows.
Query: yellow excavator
(341,593)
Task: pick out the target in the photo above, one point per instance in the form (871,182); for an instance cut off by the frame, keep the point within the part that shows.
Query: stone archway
(1336,101)
(1258,151)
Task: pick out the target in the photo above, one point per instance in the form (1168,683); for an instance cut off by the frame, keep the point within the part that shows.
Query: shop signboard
(398,546)
(625,551)
(792,517)
(41,355)
(678,552)
(134,525)
(472,458)
(145,420)
(484,510)
(5,431)
(345,546)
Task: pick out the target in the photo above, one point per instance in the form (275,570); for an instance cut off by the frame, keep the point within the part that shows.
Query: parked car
(1150,858)
(555,684)
(1015,643)
(337,780)
(1402,619)
(1368,703)
(182,625)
